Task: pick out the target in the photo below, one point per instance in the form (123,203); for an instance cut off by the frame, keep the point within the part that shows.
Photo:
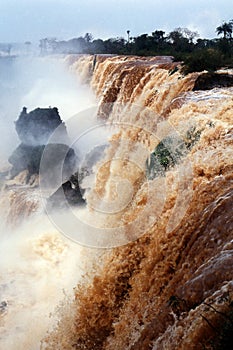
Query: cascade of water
(172,287)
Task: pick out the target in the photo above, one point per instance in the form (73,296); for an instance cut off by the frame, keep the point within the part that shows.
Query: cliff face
(171,286)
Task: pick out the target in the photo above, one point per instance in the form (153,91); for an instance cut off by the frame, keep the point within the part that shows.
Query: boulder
(35,128)
(72,194)
(27,157)
(73,190)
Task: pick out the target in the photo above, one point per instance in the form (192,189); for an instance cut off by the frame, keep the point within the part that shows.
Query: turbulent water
(37,263)
(168,285)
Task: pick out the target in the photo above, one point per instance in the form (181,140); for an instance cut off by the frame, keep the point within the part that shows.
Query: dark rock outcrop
(27,157)
(73,189)
(35,128)
(208,81)
(90,160)
(72,194)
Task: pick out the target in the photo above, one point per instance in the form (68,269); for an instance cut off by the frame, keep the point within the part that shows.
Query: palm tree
(225,29)
(128,32)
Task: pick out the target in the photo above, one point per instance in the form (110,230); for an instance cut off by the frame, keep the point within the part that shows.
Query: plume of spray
(37,82)
(35,260)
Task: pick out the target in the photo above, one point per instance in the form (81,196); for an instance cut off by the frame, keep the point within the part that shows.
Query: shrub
(205,59)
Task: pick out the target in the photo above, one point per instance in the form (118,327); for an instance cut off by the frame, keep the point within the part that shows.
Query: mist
(36,261)
(37,82)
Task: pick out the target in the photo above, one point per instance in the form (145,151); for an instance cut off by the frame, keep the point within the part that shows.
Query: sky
(31,20)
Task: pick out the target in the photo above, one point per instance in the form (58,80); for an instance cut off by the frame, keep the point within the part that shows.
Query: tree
(97,46)
(141,43)
(115,45)
(202,59)
(88,37)
(178,41)
(183,33)
(190,35)
(225,29)
(77,45)
(52,44)
(203,43)
(158,36)
(128,32)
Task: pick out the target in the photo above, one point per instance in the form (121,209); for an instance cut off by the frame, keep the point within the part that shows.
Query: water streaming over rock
(171,286)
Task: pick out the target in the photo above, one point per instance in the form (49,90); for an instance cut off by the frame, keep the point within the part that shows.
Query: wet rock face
(87,165)
(74,189)
(67,194)
(28,158)
(35,128)
(209,81)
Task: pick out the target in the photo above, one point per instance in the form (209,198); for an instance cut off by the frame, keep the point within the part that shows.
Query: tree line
(181,43)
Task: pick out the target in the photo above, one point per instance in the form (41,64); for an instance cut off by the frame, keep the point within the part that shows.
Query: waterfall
(171,288)
(162,192)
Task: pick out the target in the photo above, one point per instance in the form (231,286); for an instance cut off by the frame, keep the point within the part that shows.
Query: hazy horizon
(32,20)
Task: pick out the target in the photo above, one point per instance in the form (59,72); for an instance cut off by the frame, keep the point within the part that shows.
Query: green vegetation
(170,151)
(184,45)
(203,59)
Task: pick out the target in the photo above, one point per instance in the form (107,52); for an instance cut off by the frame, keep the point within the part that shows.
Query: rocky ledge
(208,81)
